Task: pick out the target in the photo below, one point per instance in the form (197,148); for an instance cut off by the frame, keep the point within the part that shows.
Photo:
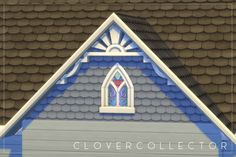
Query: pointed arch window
(117,93)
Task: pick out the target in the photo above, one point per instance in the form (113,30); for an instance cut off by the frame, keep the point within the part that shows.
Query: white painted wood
(113,54)
(113,136)
(91,154)
(130,110)
(114,35)
(124,40)
(1,127)
(128,126)
(4,152)
(131,46)
(49,138)
(106,40)
(99,46)
(67,146)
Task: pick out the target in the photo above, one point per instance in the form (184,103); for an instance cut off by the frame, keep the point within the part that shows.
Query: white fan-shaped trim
(114,37)
(112,48)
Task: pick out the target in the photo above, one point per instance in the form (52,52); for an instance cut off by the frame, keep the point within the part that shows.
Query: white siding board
(4,152)
(112,126)
(112,136)
(45,137)
(90,154)
(67,146)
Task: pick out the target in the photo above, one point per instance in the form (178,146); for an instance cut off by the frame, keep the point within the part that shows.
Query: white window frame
(105,108)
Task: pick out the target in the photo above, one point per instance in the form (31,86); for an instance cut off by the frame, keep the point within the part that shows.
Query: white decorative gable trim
(1,127)
(114,40)
(77,65)
(111,20)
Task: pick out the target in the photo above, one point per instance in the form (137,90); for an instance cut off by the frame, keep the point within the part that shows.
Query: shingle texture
(40,35)
(154,99)
(158,46)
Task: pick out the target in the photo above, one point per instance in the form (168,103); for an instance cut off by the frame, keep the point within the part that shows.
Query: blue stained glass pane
(111,96)
(117,76)
(123,96)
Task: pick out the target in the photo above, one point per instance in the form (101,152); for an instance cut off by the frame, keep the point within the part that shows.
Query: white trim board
(5,152)
(113,54)
(114,18)
(1,127)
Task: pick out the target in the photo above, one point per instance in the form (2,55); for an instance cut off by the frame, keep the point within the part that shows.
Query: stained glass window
(117,91)
(112,96)
(123,96)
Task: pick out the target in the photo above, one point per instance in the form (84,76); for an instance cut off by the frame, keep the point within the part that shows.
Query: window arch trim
(105,108)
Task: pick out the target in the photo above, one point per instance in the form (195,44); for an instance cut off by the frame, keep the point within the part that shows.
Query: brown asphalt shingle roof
(40,35)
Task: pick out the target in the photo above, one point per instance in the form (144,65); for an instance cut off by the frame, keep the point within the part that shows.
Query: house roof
(82,53)
(40,37)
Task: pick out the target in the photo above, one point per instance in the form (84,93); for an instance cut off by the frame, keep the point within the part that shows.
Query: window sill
(129,110)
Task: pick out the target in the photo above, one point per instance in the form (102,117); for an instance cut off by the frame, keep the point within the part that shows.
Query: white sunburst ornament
(114,40)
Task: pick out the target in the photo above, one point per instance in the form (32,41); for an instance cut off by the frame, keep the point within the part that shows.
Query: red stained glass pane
(117,79)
